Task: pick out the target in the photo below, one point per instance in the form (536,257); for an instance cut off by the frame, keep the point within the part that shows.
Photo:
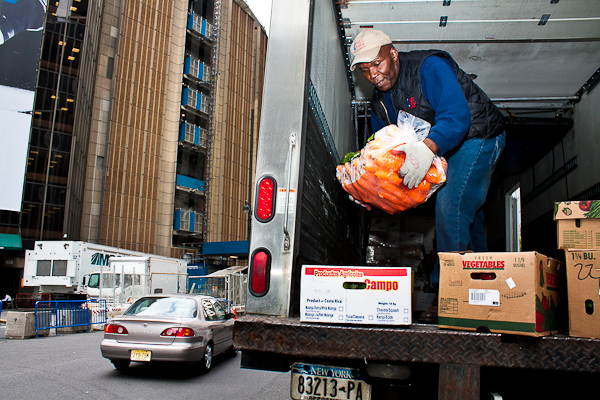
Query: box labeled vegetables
(515,293)
(578,224)
(356,295)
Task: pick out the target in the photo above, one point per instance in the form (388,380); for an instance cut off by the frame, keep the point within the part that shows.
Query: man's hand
(418,161)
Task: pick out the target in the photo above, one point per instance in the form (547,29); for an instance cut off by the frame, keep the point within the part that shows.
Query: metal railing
(231,288)
(69,313)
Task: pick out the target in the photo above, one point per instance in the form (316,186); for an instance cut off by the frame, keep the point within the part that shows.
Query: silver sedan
(177,327)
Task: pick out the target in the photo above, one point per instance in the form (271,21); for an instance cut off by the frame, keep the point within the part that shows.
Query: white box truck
(539,62)
(126,279)
(61,268)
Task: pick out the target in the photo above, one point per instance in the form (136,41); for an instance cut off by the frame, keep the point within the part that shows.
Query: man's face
(382,72)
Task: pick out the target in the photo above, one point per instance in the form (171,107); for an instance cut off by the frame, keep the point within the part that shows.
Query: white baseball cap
(366,46)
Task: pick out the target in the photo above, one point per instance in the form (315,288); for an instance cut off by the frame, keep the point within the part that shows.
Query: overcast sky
(262,10)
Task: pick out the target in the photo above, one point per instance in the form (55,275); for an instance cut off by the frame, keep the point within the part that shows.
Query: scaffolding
(216,38)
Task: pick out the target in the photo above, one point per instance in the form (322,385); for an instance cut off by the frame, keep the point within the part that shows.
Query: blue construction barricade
(69,313)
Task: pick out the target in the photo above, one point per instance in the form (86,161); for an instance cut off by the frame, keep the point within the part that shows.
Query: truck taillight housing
(265,199)
(260,272)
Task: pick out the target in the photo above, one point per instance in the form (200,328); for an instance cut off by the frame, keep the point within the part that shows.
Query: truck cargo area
(539,62)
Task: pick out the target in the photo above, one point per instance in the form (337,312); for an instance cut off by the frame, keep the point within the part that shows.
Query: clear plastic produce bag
(371,175)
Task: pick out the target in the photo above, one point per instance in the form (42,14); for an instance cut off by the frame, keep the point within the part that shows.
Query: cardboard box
(583,277)
(578,224)
(355,295)
(515,293)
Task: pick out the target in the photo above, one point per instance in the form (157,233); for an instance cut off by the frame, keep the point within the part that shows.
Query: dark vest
(407,95)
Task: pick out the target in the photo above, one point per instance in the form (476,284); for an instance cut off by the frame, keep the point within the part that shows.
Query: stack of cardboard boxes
(526,293)
(523,293)
(578,227)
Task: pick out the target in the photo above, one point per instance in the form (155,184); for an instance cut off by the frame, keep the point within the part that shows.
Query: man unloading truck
(466,129)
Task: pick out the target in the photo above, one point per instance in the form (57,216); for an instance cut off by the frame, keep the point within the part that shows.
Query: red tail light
(265,199)
(178,332)
(118,329)
(260,272)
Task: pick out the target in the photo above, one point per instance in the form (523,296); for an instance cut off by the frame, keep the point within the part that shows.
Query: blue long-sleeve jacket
(443,92)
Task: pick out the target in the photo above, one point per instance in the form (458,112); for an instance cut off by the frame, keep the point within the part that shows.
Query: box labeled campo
(355,295)
(583,284)
(515,293)
(578,224)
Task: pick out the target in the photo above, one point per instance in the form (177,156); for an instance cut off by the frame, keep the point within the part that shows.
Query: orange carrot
(417,195)
(362,194)
(436,176)
(352,191)
(381,173)
(389,176)
(390,161)
(400,205)
(383,158)
(392,189)
(371,186)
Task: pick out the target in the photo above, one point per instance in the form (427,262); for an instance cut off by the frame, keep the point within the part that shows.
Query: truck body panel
(60,266)
(126,279)
(295,137)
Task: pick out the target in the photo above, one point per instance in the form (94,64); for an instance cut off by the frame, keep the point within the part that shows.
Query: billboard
(21,25)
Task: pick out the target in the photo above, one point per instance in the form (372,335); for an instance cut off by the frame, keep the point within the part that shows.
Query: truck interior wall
(330,225)
(577,153)
(586,137)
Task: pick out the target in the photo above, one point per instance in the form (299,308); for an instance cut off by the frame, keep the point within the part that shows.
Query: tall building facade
(145,119)
(132,155)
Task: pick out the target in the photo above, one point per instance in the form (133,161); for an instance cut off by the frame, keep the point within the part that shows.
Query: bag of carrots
(371,175)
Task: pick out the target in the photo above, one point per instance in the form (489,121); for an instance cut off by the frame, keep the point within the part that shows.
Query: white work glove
(418,161)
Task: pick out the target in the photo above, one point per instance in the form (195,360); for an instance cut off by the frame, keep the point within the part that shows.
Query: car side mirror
(230,315)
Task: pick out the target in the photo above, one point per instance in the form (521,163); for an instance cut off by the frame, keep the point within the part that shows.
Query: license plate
(316,382)
(140,355)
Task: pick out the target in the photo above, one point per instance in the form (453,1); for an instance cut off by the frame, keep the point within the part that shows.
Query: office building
(142,131)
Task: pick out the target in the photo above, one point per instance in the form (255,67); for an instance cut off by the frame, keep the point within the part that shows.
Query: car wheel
(206,362)
(120,364)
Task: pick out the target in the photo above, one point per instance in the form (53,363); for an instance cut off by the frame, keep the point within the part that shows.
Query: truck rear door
(300,214)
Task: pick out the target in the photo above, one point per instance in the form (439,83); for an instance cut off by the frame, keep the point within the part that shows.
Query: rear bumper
(179,352)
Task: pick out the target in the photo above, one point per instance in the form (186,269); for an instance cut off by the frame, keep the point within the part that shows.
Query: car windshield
(164,307)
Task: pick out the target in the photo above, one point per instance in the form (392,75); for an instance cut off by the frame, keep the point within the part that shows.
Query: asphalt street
(71,366)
